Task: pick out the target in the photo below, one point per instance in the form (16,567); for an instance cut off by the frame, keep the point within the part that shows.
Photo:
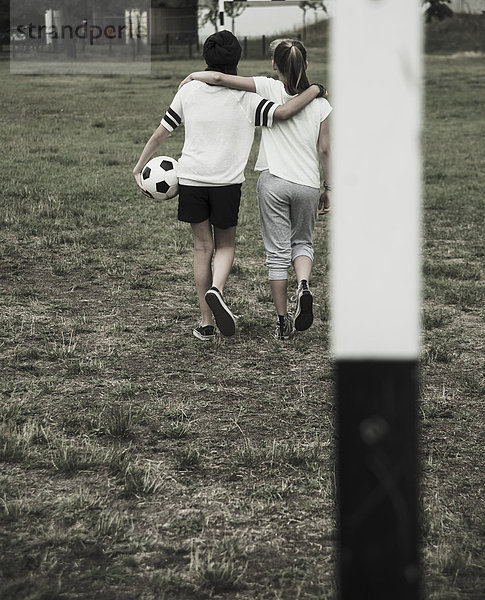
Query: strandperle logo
(83,31)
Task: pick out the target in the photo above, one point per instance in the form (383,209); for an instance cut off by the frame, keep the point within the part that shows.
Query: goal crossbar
(270,2)
(258,3)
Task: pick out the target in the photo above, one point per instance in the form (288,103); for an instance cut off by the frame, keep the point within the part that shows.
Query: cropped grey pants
(287,213)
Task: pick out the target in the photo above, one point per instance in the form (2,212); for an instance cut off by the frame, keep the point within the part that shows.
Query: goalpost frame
(376,88)
(259,3)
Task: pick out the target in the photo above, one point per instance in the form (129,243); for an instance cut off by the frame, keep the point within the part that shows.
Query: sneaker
(285,329)
(304,307)
(205,333)
(225,320)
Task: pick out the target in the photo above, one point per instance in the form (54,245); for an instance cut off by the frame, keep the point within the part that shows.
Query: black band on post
(377,479)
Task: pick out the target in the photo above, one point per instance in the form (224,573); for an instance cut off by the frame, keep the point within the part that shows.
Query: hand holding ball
(159,177)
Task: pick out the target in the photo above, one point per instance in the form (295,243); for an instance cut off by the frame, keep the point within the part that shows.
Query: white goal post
(375,86)
(375,228)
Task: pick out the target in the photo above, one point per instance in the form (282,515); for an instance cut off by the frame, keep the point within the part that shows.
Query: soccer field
(138,463)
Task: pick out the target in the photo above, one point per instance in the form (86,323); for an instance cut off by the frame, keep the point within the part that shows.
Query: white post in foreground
(376,83)
(375,291)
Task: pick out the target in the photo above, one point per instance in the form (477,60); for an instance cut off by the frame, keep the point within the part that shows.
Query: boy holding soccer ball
(219,131)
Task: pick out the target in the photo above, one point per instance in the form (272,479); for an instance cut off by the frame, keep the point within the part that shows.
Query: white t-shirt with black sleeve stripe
(289,149)
(219,131)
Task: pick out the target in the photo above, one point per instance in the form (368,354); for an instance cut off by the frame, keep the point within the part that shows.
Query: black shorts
(218,204)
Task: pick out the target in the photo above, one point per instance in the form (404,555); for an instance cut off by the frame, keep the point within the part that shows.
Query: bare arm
(149,150)
(292,107)
(324,156)
(236,82)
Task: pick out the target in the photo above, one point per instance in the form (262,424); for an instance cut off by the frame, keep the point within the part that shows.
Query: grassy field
(138,463)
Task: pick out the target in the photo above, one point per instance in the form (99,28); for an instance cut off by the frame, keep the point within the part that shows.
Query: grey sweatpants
(287,213)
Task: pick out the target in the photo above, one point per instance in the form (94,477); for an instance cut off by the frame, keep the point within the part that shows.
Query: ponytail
(290,58)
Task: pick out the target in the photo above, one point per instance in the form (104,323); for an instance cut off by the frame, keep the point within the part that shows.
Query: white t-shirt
(219,131)
(289,149)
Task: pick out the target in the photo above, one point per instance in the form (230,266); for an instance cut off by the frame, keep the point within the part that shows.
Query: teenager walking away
(219,131)
(290,157)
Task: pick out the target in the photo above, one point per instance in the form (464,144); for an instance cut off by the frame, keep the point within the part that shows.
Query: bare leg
(224,241)
(203,251)
(303,268)
(279,292)
(279,288)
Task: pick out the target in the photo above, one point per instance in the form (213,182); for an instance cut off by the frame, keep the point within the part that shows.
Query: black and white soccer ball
(159,177)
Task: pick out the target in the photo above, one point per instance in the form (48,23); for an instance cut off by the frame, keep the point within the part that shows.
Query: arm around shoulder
(295,105)
(216,78)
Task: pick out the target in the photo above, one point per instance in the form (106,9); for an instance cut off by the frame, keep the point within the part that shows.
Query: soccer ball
(159,177)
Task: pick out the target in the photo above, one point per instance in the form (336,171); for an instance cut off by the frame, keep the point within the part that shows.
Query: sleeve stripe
(265,113)
(173,114)
(258,112)
(262,112)
(172,124)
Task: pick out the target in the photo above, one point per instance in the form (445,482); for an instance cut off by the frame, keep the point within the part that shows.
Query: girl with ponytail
(290,157)
(289,56)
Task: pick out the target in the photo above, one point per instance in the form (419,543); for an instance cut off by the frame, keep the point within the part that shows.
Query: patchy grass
(453,384)
(139,463)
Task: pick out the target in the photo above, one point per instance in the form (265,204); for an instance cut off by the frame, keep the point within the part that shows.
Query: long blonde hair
(290,58)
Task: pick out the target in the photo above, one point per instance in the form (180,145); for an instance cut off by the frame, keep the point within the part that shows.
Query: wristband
(327,187)
(323,90)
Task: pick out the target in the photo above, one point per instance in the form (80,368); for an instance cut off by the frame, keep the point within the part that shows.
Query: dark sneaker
(304,307)
(206,333)
(285,329)
(225,320)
